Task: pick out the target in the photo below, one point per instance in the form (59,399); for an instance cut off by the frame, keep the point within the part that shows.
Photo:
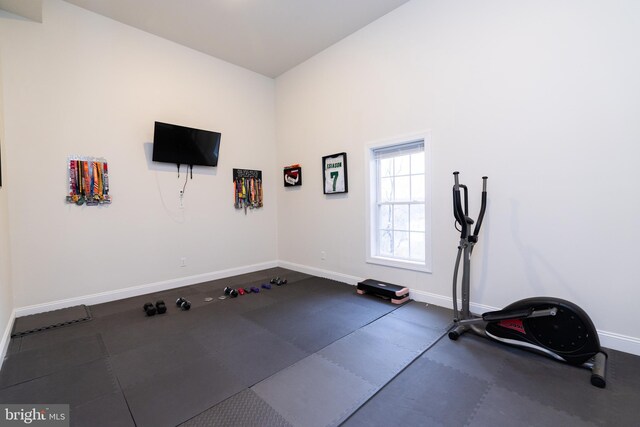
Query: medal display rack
(88,181)
(247,189)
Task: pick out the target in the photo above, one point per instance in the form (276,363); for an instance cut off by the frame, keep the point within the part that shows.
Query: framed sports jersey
(334,173)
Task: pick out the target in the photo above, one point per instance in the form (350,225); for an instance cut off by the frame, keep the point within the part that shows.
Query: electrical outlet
(323,255)
(183,262)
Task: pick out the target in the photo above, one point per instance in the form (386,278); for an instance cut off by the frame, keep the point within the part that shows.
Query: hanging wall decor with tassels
(88,181)
(247,189)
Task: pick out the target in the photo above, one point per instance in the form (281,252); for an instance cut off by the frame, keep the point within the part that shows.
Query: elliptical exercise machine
(549,326)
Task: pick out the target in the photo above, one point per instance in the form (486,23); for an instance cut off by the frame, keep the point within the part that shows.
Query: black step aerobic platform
(396,294)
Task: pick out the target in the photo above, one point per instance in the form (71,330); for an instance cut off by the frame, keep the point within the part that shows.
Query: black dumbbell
(183,304)
(281,282)
(231,292)
(274,281)
(149,309)
(161,307)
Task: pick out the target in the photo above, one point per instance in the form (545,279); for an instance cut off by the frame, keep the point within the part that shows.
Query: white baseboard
(133,291)
(6,337)
(319,272)
(620,342)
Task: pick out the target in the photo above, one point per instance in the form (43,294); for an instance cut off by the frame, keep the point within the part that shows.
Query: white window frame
(372,204)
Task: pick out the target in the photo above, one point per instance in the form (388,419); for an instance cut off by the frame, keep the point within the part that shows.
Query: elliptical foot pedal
(396,294)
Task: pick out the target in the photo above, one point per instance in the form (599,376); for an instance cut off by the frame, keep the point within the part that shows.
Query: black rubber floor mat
(49,320)
(32,364)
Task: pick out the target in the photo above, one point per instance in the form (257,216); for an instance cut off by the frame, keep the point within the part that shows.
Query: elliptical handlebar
(483,207)
(461,215)
(458,213)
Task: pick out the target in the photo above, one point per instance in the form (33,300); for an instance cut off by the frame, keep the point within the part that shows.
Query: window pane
(417,163)
(401,217)
(386,167)
(417,246)
(403,189)
(384,243)
(386,190)
(385,219)
(416,218)
(417,187)
(402,164)
(401,244)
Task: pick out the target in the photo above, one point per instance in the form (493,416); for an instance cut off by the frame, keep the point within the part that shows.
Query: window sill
(396,263)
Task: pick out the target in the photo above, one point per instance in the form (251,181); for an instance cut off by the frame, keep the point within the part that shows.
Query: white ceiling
(266,36)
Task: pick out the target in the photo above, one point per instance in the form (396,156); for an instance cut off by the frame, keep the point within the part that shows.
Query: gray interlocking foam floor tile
(155,358)
(75,385)
(244,409)
(540,378)
(501,407)
(173,397)
(404,334)
(314,392)
(107,411)
(28,365)
(59,335)
(471,354)
(426,393)
(369,356)
(623,384)
(428,315)
(256,357)
(50,319)
(131,330)
(310,330)
(14,345)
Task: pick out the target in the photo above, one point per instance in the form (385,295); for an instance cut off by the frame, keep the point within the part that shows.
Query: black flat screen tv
(185,146)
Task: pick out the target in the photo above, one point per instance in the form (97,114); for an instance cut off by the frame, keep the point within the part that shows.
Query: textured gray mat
(314,392)
(52,319)
(244,409)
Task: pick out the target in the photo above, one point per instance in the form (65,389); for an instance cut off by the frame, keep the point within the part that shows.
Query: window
(399,219)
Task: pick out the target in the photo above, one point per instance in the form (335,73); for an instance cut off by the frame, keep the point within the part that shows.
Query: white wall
(83,84)
(543,97)
(6,290)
